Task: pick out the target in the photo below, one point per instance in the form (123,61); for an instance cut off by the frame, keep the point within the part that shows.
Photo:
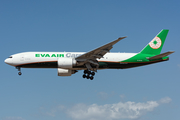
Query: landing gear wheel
(84,76)
(93,73)
(91,77)
(19,73)
(89,72)
(87,76)
(19,69)
(85,71)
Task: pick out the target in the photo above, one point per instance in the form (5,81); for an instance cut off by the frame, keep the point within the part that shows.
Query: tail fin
(155,46)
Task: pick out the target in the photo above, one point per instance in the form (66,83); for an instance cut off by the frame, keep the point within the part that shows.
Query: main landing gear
(19,69)
(89,74)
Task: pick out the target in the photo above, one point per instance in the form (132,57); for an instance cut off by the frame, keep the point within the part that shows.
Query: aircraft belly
(122,65)
(102,65)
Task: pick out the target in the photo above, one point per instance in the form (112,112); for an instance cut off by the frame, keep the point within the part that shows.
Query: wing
(90,57)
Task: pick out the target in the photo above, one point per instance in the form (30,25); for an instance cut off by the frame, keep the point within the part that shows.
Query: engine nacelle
(66,62)
(65,72)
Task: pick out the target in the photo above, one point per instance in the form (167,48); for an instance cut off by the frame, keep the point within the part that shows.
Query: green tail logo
(155,46)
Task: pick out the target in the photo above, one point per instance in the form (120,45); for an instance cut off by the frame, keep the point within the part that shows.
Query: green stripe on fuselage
(142,58)
(139,58)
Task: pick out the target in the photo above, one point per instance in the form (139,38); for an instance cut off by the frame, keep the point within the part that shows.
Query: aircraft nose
(8,61)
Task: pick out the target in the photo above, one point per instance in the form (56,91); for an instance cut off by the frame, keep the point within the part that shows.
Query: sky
(142,93)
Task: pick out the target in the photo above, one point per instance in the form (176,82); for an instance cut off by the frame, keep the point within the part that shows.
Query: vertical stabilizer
(155,46)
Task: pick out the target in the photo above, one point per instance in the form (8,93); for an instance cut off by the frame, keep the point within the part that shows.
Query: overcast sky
(144,93)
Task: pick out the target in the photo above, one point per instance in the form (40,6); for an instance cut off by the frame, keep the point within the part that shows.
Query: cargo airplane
(68,63)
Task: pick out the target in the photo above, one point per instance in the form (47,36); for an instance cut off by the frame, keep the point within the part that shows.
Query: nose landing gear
(19,69)
(19,73)
(89,74)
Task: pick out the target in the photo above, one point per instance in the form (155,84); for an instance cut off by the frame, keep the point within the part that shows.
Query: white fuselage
(40,57)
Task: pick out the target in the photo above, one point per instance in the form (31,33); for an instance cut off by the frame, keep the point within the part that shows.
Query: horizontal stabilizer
(161,55)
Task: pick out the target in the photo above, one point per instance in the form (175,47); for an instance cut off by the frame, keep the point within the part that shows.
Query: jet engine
(65,72)
(66,62)
(63,66)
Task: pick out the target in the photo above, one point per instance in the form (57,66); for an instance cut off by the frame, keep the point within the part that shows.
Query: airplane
(68,63)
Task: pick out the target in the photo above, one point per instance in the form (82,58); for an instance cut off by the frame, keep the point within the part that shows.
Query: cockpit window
(10,57)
